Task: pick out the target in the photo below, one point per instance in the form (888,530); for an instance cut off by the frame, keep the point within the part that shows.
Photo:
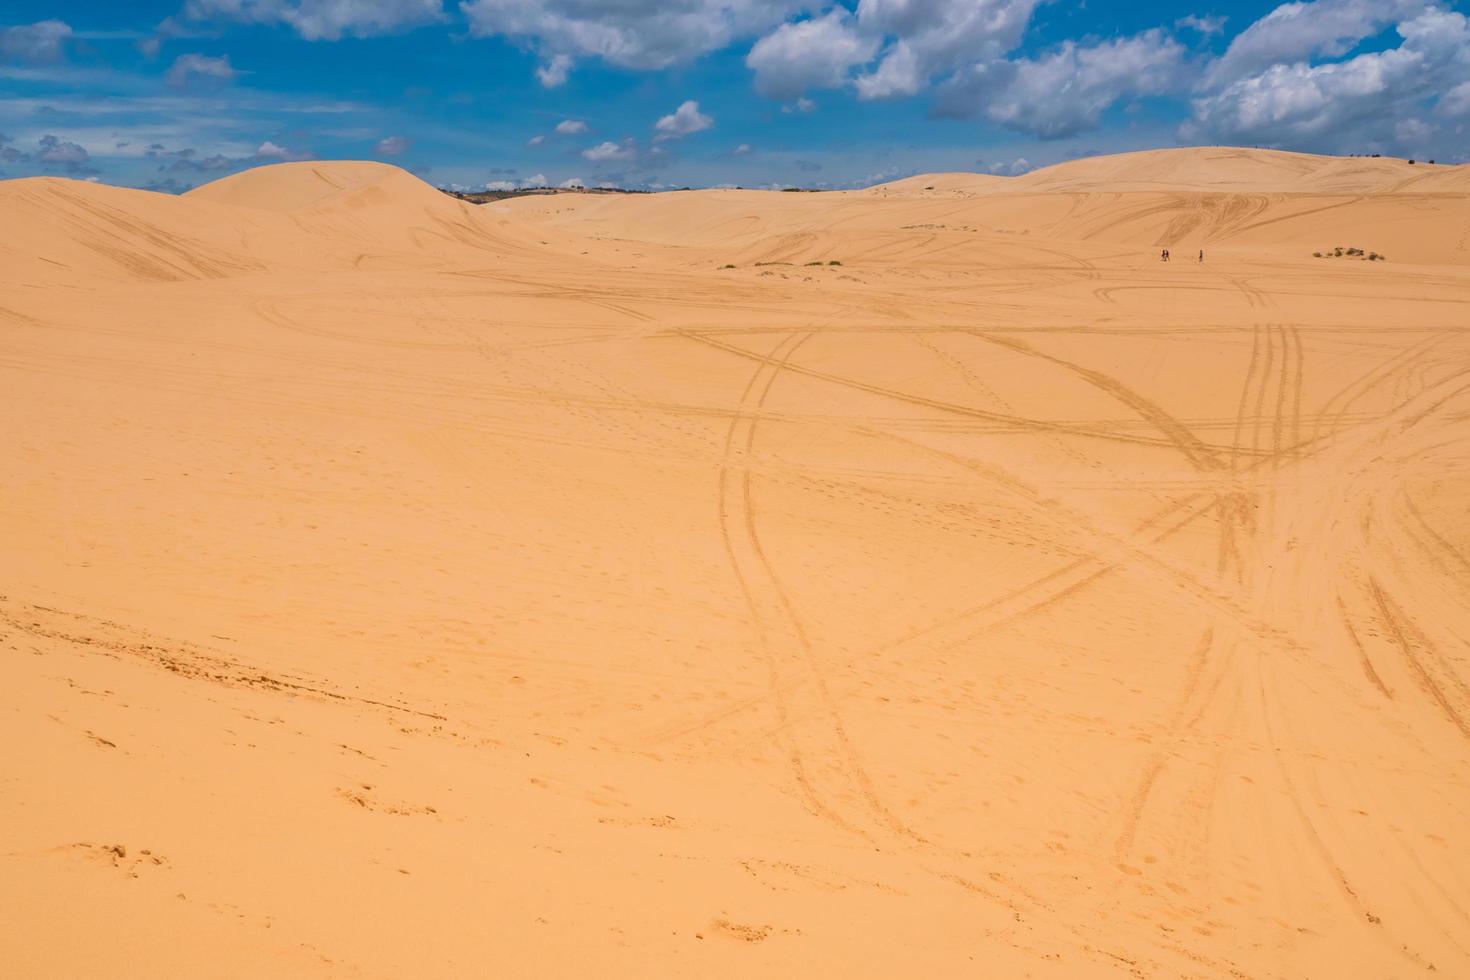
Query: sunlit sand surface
(925,581)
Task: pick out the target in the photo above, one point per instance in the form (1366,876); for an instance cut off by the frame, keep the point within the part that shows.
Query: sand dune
(920,581)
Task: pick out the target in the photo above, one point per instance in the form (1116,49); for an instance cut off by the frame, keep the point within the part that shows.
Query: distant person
(1164,255)
(1201,255)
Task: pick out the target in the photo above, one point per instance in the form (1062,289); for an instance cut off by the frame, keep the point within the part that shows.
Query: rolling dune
(917,581)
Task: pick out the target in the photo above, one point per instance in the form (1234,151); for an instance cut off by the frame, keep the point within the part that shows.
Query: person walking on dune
(1164,255)
(1201,255)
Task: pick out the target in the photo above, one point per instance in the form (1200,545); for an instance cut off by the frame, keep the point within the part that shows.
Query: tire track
(1200,456)
(1018,423)
(1179,721)
(776,618)
(1410,639)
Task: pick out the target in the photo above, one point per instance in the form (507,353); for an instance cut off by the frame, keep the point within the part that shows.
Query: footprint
(740,931)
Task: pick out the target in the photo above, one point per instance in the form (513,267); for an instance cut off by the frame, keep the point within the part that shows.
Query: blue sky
(646,94)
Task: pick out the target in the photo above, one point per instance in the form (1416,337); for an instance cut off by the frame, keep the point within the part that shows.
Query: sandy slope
(393,587)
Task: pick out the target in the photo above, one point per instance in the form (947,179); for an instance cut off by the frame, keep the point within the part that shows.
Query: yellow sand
(392,587)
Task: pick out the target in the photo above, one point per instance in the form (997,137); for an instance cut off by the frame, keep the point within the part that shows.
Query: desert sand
(923,581)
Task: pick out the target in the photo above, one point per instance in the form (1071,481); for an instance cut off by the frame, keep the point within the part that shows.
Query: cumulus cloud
(323,20)
(900,73)
(555,71)
(274,151)
(608,150)
(41,43)
(1065,92)
(1408,132)
(56,150)
(1208,26)
(536,140)
(572,184)
(188,161)
(815,53)
(535,180)
(682,121)
(622,33)
(52,153)
(1346,104)
(937,37)
(500,185)
(194,70)
(391,146)
(1295,32)
(1015,168)
(913,41)
(1456,101)
(571,127)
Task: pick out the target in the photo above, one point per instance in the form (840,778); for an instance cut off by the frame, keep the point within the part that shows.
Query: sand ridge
(731,583)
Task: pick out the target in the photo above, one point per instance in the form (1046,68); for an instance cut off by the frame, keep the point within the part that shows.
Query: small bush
(1316,255)
(834,262)
(727,266)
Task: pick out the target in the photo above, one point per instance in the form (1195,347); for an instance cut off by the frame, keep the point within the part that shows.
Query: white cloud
(554,73)
(816,53)
(1411,131)
(1294,32)
(52,154)
(571,127)
(500,185)
(898,74)
(740,150)
(1349,105)
(1456,101)
(535,180)
(572,184)
(274,151)
(190,70)
(55,150)
(41,43)
(1015,168)
(937,37)
(608,150)
(802,104)
(323,20)
(625,33)
(682,121)
(1208,26)
(391,146)
(1065,92)
(536,140)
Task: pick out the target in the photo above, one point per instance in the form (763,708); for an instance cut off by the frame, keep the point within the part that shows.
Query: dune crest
(926,580)
(298,185)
